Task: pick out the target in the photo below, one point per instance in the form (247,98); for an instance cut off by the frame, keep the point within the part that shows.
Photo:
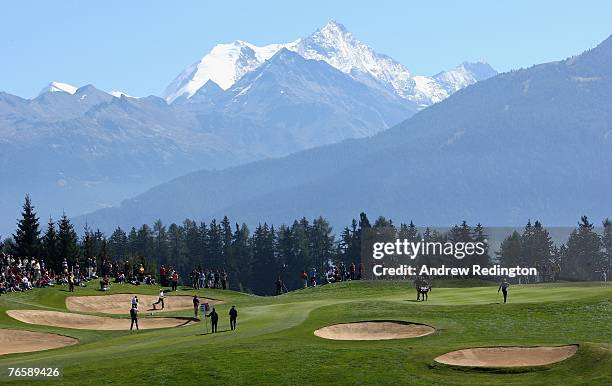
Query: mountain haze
(532,143)
(81,149)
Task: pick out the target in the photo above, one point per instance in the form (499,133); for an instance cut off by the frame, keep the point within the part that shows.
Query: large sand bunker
(120,303)
(374,330)
(16,341)
(90,322)
(507,356)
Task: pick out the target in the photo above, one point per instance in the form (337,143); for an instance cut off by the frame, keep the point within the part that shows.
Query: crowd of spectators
(22,274)
(209,278)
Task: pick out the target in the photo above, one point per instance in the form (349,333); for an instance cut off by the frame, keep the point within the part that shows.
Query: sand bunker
(507,356)
(119,304)
(374,331)
(16,341)
(90,322)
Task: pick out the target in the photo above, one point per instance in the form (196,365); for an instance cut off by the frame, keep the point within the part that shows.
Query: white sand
(90,322)
(507,356)
(119,304)
(16,341)
(374,331)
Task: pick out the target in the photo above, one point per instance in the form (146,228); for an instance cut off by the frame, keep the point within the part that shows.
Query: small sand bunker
(119,304)
(507,356)
(16,341)
(90,322)
(374,330)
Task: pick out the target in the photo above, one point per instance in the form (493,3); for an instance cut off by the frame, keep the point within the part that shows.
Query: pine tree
(607,246)
(226,241)
(160,251)
(68,246)
(50,245)
(301,244)
(192,245)
(265,267)
(88,244)
(510,253)
(27,235)
(118,245)
(481,237)
(584,259)
(460,234)
(144,243)
(240,267)
(215,245)
(284,247)
(132,242)
(176,245)
(322,243)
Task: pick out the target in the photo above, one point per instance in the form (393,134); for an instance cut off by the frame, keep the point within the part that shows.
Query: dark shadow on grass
(214,333)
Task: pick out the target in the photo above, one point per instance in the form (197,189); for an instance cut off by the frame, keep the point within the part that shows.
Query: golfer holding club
(504,288)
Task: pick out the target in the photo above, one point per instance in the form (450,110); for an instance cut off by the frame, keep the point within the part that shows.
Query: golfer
(134,316)
(71,283)
(135,302)
(504,289)
(214,319)
(196,305)
(159,300)
(233,314)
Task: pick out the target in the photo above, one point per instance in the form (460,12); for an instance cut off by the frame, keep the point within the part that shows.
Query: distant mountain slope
(308,101)
(533,143)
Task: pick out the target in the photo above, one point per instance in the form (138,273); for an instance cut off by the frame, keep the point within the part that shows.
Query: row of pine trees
(254,260)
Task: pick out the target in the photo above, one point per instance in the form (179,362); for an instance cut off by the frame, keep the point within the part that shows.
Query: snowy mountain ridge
(334,44)
(58,87)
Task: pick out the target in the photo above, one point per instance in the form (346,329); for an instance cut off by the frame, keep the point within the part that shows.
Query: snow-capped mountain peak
(335,45)
(464,75)
(58,87)
(226,63)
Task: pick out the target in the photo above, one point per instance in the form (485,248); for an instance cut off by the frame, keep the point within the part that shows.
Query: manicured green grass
(275,344)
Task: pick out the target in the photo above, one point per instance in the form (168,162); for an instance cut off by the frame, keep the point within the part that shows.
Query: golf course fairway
(275,341)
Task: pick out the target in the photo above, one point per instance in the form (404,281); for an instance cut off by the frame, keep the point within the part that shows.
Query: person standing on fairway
(214,319)
(504,288)
(71,283)
(135,302)
(159,300)
(175,279)
(196,305)
(233,314)
(134,316)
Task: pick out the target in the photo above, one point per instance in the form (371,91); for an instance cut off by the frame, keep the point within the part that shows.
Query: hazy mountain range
(534,143)
(81,149)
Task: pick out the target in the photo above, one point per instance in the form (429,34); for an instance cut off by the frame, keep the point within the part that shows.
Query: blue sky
(140,46)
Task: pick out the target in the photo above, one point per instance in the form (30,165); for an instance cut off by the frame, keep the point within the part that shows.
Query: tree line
(255,259)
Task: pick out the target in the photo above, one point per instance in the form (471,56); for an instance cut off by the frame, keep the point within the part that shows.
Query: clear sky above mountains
(139,46)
